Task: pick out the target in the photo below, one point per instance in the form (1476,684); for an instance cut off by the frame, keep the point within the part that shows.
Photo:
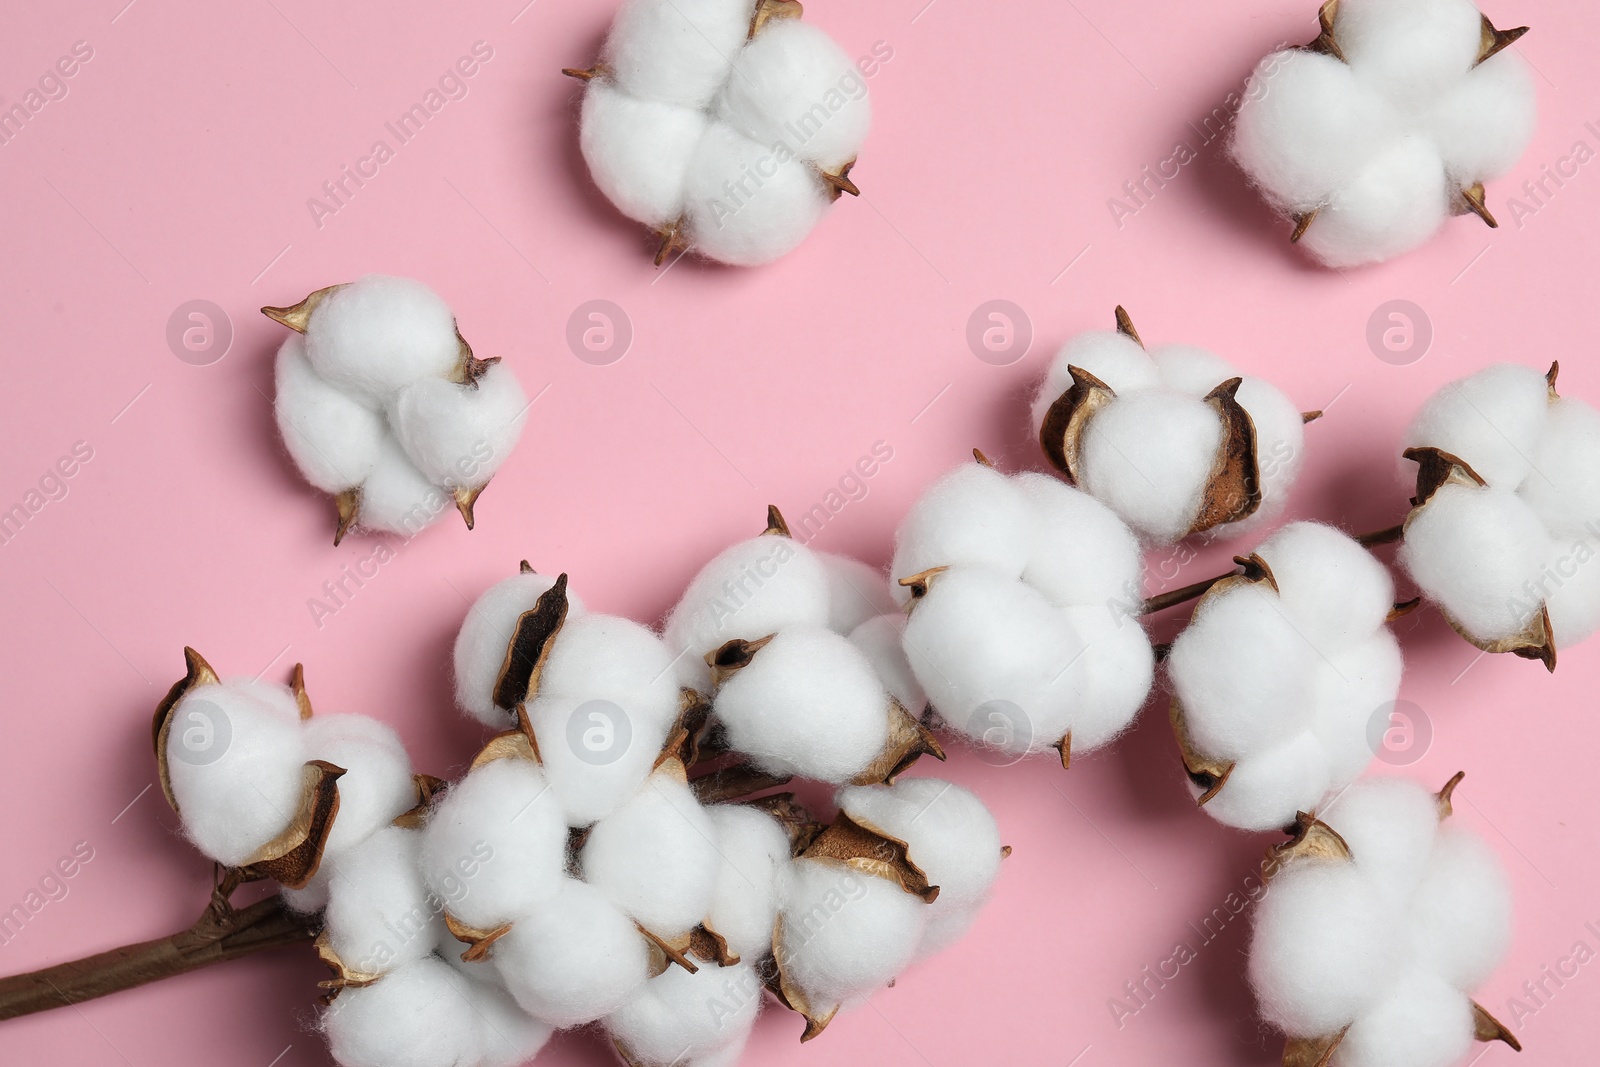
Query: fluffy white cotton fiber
(948,832)
(380,915)
(1282,684)
(752,880)
(480,648)
(678,1017)
(419,1016)
(1372,141)
(459,435)
(1388,943)
(844,933)
(717,139)
(377,786)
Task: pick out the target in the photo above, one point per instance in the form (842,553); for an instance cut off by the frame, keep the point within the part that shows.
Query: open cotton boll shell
(596,753)
(1265,789)
(1280,448)
(856,592)
(1419,1021)
(377,786)
(511,1037)
(1084,554)
(574,959)
(333,439)
(1477,552)
(379,914)
(480,648)
(678,1015)
(1148,457)
(753,878)
(948,832)
(379,334)
(638,151)
(397,497)
(234,764)
(1111,356)
(1411,50)
(1334,591)
(845,934)
(656,857)
(1483,125)
(678,51)
(749,203)
(793,85)
(459,435)
(808,703)
(1563,485)
(1392,205)
(607,657)
(1325,945)
(881,640)
(1389,825)
(416,1017)
(1349,689)
(495,845)
(1461,913)
(972,516)
(1492,420)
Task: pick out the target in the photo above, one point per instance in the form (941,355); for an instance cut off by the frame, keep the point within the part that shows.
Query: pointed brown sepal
(197,672)
(777,526)
(1064,747)
(1302,223)
(838,181)
(1061,433)
(1492,42)
(706,944)
(767,10)
(673,237)
(1446,809)
(801,826)
(868,849)
(1486,1027)
(297,684)
(1533,641)
(530,645)
(1307,417)
(584,74)
(790,995)
(908,740)
(1207,773)
(347,508)
(1550,380)
(1311,1051)
(428,787)
(1125,325)
(688,735)
(1436,468)
(921,582)
(1005,852)
(983,460)
(733,656)
(734,782)
(1309,837)
(1233,491)
(1473,201)
(343,976)
(1402,608)
(298,316)
(292,858)
(1325,43)
(1256,569)
(466,499)
(664,952)
(518,742)
(477,939)
(526,568)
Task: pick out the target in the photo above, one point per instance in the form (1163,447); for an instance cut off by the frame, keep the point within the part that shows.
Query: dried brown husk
(344,977)
(477,939)
(428,787)
(788,994)
(794,817)
(197,673)
(529,647)
(518,742)
(860,846)
(908,741)
(292,858)
(733,656)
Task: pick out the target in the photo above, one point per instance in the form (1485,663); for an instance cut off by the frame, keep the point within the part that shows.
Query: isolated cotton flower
(1380,923)
(1385,125)
(382,404)
(1505,522)
(727,127)
(1175,441)
(1023,631)
(1279,675)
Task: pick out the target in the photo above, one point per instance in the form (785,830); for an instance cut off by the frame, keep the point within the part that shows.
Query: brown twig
(1386,536)
(1174,597)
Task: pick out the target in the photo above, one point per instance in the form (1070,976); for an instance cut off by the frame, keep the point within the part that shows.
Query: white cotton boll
(1110,670)
(1411,50)
(1280,448)
(751,881)
(809,704)
(380,916)
(1483,125)
(333,439)
(277,698)
(638,151)
(677,51)
(972,516)
(416,1017)
(1492,420)
(1477,553)
(574,958)
(511,1036)
(597,753)
(1420,1021)
(495,845)
(751,589)
(1389,824)
(377,786)
(945,929)
(607,657)
(1334,590)
(845,934)
(1084,554)
(656,857)
(678,1016)
(459,435)
(480,648)
(1392,205)
(235,767)
(379,334)
(1325,944)
(1306,127)
(1113,357)
(1563,484)
(1348,689)
(881,640)
(398,498)
(1267,787)
(1573,582)
(1462,909)
(947,830)
(856,592)
(748,203)
(1148,457)
(792,85)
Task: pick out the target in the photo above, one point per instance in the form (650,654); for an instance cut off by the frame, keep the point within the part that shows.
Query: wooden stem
(1174,597)
(1381,537)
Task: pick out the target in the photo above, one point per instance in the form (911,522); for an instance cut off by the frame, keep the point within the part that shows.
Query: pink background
(178,167)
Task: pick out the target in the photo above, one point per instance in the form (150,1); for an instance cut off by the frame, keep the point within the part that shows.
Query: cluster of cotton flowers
(1175,441)
(1381,921)
(382,404)
(1385,125)
(726,126)
(1024,601)
(1279,675)
(1505,524)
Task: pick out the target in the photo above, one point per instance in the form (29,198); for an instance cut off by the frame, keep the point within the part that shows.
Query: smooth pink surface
(179,165)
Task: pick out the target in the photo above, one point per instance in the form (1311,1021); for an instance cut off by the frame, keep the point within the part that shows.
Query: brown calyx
(1207,773)
(292,858)
(1061,432)
(518,742)
(197,673)
(427,787)
(477,939)
(731,657)
(1233,490)
(908,740)
(838,181)
(867,849)
(529,648)
(768,10)
(344,976)
(920,583)
(797,821)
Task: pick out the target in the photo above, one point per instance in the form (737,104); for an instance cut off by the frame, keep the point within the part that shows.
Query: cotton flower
(1279,674)
(1381,921)
(726,126)
(1175,441)
(382,404)
(1385,125)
